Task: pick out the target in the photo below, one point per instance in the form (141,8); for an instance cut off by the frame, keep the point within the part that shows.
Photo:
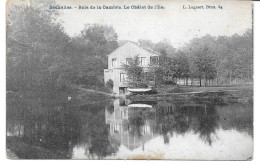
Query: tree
(156,74)
(135,73)
(99,41)
(35,46)
(182,67)
(160,74)
(232,56)
(110,84)
(204,63)
(164,47)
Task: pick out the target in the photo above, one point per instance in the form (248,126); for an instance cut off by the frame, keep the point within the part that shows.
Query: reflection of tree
(171,120)
(95,132)
(110,107)
(208,124)
(101,145)
(59,128)
(136,123)
(63,130)
(181,124)
(182,118)
(52,127)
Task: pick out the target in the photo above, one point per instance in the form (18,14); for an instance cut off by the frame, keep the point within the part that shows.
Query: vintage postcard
(129,79)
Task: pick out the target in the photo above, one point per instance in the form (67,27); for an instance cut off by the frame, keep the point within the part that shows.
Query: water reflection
(48,126)
(133,130)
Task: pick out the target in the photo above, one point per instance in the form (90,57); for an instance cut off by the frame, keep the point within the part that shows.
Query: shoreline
(242,93)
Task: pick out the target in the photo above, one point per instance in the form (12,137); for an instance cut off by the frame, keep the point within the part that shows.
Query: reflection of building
(121,56)
(118,118)
(129,125)
(133,124)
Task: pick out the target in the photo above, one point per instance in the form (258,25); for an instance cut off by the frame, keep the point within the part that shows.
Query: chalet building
(121,56)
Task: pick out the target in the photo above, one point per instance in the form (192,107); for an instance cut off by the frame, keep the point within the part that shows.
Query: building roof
(144,48)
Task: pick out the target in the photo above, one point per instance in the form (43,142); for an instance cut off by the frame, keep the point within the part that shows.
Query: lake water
(127,129)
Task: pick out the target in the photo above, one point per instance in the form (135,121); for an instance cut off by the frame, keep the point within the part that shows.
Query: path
(94,91)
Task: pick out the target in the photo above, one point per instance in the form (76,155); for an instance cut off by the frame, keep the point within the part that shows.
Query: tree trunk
(19,69)
(230,77)
(217,77)
(200,81)
(205,80)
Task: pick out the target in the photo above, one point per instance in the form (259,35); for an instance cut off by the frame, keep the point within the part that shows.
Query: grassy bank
(218,95)
(238,91)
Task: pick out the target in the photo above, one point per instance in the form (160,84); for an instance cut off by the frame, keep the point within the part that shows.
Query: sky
(173,23)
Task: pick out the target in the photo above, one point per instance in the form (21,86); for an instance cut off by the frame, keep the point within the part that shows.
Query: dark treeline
(206,61)
(42,57)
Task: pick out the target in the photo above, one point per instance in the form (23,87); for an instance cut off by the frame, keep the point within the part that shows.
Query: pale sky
(173,23)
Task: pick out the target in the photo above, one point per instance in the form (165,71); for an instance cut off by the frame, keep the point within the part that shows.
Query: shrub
(110,84)
(169,82)
(176,90)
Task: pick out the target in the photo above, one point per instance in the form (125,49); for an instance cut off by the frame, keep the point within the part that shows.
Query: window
(143,61)
(127,60)
(125,115)
(122,77)
(113,62)
(116,128)
(154,60)
(122,102)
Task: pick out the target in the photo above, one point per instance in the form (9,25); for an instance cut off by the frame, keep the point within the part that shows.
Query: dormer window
(127,61)
(154,60)
(113,62)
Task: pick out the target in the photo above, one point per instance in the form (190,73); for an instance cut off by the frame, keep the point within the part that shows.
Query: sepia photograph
(129,79)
